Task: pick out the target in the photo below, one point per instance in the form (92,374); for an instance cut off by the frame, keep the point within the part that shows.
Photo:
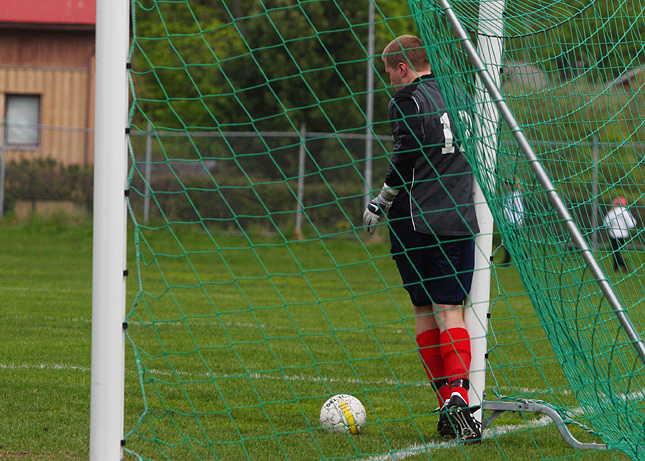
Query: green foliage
(568,37)
(227,202)
(46,179)
(250,65)
(247,65)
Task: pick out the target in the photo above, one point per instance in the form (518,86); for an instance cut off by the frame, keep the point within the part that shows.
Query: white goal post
(110,231)
(110,216)
(490,48)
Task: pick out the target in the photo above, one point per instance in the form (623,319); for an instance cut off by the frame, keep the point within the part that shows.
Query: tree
(250,65)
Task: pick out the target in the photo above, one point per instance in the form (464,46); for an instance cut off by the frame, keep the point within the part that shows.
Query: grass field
(242,344)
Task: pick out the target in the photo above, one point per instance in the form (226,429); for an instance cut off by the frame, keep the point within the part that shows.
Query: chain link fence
(267,180)
(271,180)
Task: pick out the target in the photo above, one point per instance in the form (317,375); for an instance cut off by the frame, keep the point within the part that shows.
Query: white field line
(314,379)
(190,321)
(411,451)
(43,366)
(48,289)
(488,433)
(388,382)
(255,375)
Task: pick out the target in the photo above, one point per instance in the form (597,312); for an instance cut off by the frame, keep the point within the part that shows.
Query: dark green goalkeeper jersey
(427,165)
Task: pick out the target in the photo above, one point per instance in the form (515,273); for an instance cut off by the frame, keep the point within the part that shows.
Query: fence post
(595,192)
(146,174)
(3,161)
(301,181)
(369,110)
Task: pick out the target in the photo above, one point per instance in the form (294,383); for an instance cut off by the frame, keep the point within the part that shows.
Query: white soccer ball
(343,413)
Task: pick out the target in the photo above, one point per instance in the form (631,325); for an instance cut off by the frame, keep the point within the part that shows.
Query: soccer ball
(343,413)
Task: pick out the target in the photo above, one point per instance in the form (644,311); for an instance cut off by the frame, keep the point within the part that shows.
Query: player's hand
(377,208)
(373,213)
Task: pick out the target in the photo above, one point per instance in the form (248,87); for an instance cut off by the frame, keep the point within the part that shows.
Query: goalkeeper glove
(379,207)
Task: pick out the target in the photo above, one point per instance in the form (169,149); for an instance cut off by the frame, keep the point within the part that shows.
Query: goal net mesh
(257,294)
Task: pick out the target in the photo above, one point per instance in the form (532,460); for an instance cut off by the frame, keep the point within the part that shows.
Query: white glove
(379,207)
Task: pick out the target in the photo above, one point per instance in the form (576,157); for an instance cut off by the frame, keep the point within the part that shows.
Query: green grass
(45,296)
(242,342)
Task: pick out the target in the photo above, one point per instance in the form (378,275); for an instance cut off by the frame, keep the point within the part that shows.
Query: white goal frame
(110,241)
(110,216)
(490,47)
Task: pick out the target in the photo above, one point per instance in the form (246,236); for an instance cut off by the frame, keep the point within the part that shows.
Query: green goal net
(256,129)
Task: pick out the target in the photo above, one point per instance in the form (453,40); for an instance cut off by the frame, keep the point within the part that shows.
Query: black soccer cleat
(458,416)
(444,427)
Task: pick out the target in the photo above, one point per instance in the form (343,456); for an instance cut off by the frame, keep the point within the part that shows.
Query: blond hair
(407,49)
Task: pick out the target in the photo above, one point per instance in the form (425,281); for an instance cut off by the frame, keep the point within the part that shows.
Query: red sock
(444,393)
(428,343)
(455,352)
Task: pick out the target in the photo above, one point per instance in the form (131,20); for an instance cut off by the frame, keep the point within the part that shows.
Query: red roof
(64,12)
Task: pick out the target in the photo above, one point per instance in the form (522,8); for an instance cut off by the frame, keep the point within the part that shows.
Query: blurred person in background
(619,221)
(513,212)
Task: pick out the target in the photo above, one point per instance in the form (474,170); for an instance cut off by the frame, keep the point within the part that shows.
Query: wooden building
(47,58)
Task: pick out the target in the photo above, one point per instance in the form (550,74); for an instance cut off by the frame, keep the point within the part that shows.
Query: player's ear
(403,68)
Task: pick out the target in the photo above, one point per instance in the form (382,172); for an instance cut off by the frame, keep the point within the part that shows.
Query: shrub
(235,203)
(46,179)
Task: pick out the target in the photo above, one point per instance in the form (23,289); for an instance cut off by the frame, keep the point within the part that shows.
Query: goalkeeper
(428,197)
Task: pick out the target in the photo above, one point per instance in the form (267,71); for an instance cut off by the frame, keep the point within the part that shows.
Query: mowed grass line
(341,331)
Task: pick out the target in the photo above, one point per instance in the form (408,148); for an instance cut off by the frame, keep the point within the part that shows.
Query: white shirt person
(513,212)
(619,221)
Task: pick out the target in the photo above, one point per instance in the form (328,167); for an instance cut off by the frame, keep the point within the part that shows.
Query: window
(22,118)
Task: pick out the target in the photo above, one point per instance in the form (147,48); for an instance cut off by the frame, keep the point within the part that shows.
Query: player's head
(619,201)
(405,59)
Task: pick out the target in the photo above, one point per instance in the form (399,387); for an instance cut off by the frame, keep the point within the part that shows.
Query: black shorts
(434,269)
